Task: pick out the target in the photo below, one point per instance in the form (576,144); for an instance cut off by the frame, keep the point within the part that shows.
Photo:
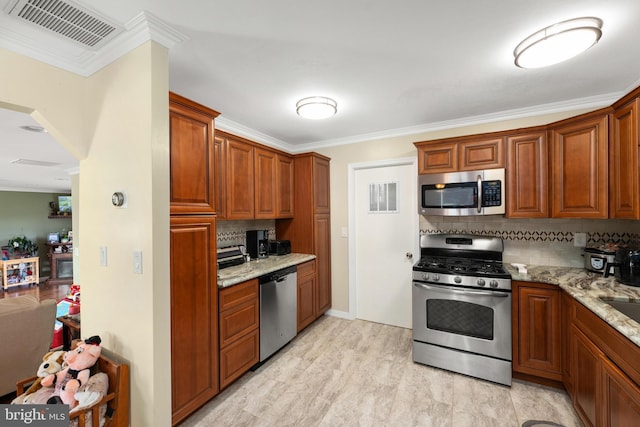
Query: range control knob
(481,282)
(425,276)
(493,283)
(457,279)
(436,277)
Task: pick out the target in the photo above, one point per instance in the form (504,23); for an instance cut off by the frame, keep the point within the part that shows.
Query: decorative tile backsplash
(231,233)
(538,241)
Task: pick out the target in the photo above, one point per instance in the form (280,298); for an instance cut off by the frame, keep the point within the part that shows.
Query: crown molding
(38,44)
(593,102)
(234,128)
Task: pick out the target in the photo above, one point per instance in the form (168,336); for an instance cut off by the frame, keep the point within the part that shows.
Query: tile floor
(355,373)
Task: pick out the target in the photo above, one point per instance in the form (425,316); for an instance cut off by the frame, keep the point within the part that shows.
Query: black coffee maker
(258,243)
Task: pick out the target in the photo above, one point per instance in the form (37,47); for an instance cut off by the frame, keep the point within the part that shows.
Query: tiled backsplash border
(230,233)
(596,238)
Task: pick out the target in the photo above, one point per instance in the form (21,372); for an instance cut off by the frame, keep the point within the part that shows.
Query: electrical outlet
(103,256)
(344,232)
(580,240)
(137,262)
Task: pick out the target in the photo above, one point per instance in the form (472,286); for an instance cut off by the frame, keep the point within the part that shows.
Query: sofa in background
(25,336)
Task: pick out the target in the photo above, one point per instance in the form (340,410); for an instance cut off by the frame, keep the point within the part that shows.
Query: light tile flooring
(355,373)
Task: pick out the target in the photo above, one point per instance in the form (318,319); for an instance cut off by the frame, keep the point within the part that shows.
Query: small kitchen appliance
(461,298)
(229,256)
(595,259)
(279,247)
(626,266)
(258,243)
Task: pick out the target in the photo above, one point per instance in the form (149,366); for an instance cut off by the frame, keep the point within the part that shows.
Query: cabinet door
(284,190)
(265,184)
(194,314)
(306,294)
(321,183)
(621,398)
(191,157)
(437,158)
(586,378)
(538,350)
(322,243)
(527,165)
(239,175)
(579,165)
(624,197)
(484,154)
(220,177)
(238,357)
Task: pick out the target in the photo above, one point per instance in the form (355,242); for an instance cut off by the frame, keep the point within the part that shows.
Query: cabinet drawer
(307,269)
(238,294)
(238,321)
(238,358)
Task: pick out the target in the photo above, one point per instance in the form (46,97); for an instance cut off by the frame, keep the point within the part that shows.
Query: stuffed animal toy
(77,372)
(51,364)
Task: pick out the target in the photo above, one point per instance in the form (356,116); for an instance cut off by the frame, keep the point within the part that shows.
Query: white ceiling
(395,68)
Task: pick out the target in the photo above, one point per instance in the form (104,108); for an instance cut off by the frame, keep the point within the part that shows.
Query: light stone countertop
(255,268)
(587,287)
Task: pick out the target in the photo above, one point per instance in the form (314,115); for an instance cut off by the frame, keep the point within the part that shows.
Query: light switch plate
(580,240)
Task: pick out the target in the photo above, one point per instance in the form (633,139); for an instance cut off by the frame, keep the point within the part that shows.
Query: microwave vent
(66,19)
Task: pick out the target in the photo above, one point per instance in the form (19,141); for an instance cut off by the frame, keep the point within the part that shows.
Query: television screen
(64,204)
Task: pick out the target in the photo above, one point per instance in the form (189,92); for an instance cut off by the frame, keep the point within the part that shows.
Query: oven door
(476,321)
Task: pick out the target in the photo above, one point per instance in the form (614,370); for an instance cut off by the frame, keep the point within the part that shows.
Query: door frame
(351,192)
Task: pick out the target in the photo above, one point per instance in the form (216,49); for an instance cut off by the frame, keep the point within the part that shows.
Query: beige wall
(116,123)
(390,148)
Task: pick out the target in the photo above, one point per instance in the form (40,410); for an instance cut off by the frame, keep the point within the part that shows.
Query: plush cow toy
(76,374)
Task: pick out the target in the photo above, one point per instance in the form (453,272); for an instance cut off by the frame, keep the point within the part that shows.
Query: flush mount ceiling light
(34,128)
(558,42)
(316,107)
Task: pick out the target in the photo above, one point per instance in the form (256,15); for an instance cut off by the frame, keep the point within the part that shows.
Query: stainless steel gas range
(462,306)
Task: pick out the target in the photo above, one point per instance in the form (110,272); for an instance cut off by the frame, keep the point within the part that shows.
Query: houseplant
(21,246)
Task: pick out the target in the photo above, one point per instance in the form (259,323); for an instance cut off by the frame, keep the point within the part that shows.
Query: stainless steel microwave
(478,192)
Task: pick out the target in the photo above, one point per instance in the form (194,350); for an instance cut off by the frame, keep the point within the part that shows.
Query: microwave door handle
(479,194)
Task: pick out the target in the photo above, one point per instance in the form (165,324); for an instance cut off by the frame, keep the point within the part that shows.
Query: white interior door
(385,233)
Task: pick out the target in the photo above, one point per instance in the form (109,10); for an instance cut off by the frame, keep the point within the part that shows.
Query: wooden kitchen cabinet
(239,175)
(604,370)
(587,387)
(567,314)
(306,309)
(265,183)
(192,177)
(310,229)
(284,186)
(461,153)
(220,186)
(527,175)
(239,330)
(579,166)
(624,197)
(536,330)
(194,313)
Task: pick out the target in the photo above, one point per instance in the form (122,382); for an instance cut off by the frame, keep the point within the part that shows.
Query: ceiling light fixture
(316,107)
(558,42)
(34,128)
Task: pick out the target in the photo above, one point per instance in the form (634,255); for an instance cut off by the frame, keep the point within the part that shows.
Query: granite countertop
(250,270)
(587,287)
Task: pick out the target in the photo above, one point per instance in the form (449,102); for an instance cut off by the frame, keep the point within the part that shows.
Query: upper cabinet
(527,175)
(254,181)
(460,154)
(623,160)
(579,166)
(192,177)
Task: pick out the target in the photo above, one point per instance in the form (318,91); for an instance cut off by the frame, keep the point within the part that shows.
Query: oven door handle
(461,291)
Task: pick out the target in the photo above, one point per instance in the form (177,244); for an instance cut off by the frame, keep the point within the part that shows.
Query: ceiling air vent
(29,162)
(67,19)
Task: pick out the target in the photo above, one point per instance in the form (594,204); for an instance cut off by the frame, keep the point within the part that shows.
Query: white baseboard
(340,314)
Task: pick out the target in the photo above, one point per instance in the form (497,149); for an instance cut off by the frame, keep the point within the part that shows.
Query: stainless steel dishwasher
(278,310)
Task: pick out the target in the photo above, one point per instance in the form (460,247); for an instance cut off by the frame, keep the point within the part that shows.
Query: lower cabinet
(536,330)
(239,321)
(306,294)
(604,372)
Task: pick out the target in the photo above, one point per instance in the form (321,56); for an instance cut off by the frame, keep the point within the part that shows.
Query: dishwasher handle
(277,276)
